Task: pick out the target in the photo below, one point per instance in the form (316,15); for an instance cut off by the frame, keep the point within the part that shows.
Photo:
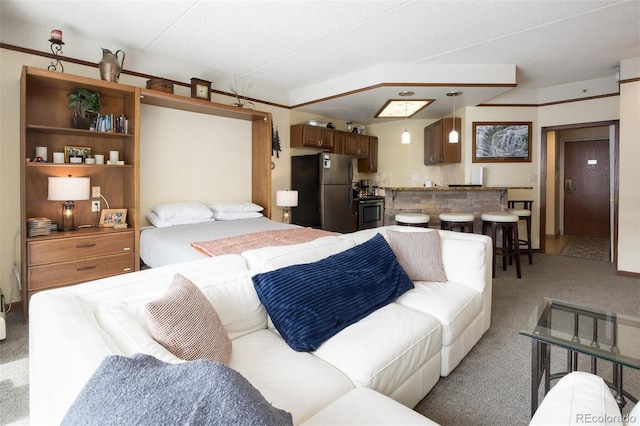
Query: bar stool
(524,214)
(449,221)
(508,224)
(413,219)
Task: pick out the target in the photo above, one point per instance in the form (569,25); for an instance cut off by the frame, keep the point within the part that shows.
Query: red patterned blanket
(241,243)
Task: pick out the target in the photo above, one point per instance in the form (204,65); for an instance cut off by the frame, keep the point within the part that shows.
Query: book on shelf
(110,123)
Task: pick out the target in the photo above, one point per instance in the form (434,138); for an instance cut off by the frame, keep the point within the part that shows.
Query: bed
(167,245)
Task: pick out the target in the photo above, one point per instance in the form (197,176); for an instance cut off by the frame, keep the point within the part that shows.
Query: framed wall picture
(110,218)
(495,142)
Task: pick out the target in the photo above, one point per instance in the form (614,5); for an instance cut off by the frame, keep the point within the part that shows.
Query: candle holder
(56,49)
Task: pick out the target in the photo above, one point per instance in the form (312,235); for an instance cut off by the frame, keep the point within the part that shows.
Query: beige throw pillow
(185,323)
(419,254)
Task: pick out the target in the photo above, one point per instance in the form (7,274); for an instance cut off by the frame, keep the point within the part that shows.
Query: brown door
(586,188)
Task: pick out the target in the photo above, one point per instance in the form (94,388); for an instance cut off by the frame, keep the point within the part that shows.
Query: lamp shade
(287,198)
(68,188)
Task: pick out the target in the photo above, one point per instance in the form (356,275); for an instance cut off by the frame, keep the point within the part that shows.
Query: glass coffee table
(581,330)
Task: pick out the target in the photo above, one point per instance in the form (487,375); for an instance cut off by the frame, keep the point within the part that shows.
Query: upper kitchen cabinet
(308,136)
(369,164)
(437,149)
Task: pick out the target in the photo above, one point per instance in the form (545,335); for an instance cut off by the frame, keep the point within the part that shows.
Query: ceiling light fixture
(406,136)
(454,136)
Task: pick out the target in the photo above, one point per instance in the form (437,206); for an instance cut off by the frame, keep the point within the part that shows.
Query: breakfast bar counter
(445,199)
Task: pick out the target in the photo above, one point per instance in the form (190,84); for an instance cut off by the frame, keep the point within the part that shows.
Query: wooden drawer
(73,248)
(77,271)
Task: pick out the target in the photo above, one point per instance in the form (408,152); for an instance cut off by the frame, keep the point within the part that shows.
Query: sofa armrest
(61,328)
(578,398)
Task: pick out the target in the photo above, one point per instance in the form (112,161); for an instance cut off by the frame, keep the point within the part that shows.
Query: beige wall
(398,165)
(211,151)
(629,207)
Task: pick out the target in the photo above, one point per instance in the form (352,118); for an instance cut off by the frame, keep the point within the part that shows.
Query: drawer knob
(86,268)
(127,269)
(86,245)
(127,249)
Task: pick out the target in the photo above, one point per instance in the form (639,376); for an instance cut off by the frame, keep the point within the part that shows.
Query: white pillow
(159,223)
(234,206)
(235,215)
(181,211)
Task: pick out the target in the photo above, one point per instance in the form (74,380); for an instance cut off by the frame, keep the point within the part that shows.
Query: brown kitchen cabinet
(308,136)
(357,145)
(370,163)
(437,149)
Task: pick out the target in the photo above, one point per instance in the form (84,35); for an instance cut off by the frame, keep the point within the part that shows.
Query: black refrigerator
(325,195)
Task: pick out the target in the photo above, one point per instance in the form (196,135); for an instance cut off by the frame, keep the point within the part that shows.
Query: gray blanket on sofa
(143,390)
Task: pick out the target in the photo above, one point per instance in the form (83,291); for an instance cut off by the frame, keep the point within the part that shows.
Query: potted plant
(85,104)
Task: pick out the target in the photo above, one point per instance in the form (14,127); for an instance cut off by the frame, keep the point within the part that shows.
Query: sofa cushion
(152,392)
(185,323)
(454,305)
(383,350)
(311,302)
(419,253)
(297,382)
(363,406)
(270,258)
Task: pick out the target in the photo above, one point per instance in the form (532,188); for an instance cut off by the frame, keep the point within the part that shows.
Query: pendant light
(454,137)
(406,136)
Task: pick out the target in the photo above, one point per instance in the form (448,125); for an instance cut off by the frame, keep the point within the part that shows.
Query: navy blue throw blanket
(311,302)
(143,390)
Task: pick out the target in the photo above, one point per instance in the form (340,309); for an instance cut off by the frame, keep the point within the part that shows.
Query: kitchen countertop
(457,188)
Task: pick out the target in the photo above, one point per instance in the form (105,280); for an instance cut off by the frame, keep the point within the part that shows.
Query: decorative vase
(110,68)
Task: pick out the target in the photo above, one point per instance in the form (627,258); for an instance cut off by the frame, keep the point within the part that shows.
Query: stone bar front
(443,199)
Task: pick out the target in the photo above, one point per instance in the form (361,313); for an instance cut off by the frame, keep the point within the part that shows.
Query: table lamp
(68,189)
(286,200)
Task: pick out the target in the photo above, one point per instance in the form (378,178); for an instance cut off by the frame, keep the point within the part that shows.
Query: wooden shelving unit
(64,258)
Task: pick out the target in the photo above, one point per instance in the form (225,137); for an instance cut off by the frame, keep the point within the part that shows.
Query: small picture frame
(501,142)
(81,152)
(110,218)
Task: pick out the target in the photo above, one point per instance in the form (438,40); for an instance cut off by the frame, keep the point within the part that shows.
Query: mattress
(164,246)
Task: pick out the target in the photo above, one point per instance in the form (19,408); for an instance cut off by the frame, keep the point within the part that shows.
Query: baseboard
(628,274)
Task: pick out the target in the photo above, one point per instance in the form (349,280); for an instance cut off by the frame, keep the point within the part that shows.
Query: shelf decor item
(110,68)
(111,218)
(56,49)
(85,104)
(68,189)
(200,89)
(79,153)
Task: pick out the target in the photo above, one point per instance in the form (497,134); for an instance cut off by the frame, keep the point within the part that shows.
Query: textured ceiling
(296,53)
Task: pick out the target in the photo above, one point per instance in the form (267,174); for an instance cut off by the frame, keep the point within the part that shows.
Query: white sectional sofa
(398,352)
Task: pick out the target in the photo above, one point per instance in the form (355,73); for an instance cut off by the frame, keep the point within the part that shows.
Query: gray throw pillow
(419,254)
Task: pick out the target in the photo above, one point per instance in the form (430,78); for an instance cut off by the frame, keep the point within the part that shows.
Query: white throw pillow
(181,211)
(235,215)
(159,223)
(234,206)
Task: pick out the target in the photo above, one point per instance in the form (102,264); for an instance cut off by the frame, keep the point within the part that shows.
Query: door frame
(616,176)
